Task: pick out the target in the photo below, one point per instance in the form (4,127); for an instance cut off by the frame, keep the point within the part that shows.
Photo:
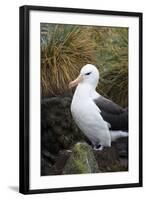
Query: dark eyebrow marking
(88,73)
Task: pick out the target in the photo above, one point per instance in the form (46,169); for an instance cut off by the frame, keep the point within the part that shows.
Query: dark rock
(46,166)
(57,168)
(115,158)
(122,147)
(61,161)
(49,156)
(81,160)
(58,130)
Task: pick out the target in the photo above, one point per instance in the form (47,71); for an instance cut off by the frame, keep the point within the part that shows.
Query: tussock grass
(114,84)
(66,50)
(113,58)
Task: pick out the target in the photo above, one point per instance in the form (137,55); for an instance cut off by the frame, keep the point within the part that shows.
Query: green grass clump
(114,84)
(112,56)
(65,50)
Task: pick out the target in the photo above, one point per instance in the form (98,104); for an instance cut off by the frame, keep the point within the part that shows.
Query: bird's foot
(98,147)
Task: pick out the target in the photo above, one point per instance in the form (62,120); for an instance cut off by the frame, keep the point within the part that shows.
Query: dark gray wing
(108,105)
(112,113)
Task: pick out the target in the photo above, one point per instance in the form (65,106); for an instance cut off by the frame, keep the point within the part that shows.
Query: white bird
(87,114)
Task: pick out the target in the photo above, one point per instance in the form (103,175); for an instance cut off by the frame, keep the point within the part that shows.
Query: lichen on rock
(81,160)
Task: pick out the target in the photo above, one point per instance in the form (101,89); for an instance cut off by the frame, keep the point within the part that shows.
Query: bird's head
(89,74)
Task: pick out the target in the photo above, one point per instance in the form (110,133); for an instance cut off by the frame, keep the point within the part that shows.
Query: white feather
(118,134)
(87,116)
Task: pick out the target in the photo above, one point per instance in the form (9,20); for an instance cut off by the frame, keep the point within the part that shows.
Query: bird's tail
(118,134)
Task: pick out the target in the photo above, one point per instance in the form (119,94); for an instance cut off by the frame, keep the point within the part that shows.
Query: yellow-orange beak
(76,81)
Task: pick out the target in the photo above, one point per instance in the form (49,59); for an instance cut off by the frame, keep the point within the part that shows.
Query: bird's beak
(76,81)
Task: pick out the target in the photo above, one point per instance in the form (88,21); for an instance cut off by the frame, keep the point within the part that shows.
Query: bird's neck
(84,90)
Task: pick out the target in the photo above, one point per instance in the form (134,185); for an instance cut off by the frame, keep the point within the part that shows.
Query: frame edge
(23,100)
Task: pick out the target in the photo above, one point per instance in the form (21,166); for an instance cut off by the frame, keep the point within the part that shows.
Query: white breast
(87,116)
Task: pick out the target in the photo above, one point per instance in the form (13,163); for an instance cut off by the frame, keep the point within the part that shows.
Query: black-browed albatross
(100,119)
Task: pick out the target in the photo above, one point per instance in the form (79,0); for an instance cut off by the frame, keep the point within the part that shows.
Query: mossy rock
(81,161)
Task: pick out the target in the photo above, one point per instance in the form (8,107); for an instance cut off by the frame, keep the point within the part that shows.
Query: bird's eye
(88,73)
